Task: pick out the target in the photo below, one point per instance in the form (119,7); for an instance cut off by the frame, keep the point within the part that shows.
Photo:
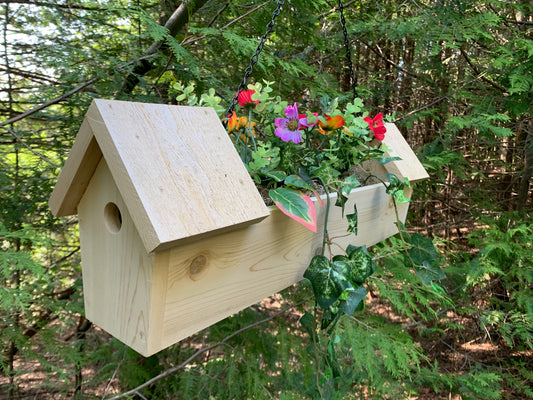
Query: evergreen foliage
(456,76)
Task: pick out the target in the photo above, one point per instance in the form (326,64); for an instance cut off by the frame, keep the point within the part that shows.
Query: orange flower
(237,123)
(232,122)
(331,124)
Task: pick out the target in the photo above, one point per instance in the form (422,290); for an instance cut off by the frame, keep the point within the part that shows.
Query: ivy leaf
(395,184)
(349,184)
(341,201)
(308,323)
(325,172)
(353,220)
(428,273)
(328,318)
(353,300)
(423,249)
(327,283)
(296,205)
(362,265)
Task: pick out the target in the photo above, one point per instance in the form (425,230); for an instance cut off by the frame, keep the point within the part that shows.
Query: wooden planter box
(175,236)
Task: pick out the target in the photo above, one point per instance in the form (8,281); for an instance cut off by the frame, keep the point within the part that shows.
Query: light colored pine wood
(150,301)
(217,277)
(409,166)
(116,269)
(76,173)
(175,167)
(155,268)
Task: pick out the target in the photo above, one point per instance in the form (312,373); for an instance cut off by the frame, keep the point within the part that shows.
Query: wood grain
(409,166)
(177,170)
(152,300)
(76,173)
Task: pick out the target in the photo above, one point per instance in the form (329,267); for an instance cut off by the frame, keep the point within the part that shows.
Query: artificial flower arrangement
(294,155)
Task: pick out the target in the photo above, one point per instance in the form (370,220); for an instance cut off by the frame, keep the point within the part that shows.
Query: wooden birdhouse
(174,234)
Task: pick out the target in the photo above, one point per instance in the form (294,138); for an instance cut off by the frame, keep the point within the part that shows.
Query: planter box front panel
(215,278)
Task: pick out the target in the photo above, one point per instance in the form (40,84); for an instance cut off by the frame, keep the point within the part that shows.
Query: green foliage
(457,76)
(504,268)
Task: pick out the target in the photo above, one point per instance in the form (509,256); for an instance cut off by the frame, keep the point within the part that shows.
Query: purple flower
(289,128)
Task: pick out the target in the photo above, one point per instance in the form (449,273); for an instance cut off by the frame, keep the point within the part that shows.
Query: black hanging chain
(255,57)
(347,47)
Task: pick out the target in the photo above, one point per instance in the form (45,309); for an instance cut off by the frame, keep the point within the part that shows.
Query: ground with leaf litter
(454,353)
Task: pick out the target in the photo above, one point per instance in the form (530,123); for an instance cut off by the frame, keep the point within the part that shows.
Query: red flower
(245,98)
(376,125)
(304,120)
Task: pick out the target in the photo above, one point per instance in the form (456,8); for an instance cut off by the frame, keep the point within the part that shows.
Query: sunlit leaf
(296,205)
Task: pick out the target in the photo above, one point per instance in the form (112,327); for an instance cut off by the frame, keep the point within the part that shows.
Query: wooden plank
(152,301)
(217,277)
(116,269)
(409,166)
(175,167)
(76,173)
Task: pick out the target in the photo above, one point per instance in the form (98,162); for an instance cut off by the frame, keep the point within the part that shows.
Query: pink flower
(377,126)
(289,128)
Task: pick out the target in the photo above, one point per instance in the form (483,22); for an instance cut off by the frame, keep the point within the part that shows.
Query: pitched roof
(175,167)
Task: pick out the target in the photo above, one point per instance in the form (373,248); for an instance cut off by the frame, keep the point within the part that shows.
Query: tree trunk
(523,190)
(177,20)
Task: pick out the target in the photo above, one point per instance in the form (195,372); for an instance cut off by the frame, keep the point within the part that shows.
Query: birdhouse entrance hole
(112,217)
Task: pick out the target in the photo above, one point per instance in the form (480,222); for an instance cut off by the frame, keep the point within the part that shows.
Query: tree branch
(47,104)
(19,139)
(177,20)
(200,351)
(53,5)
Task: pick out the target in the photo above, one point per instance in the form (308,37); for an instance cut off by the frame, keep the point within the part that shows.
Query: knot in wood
(198,264)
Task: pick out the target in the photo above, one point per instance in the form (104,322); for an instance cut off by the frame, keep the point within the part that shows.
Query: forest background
(457,77)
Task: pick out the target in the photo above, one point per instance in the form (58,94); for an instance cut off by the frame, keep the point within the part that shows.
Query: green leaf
(353,300)
(297,181)
(423,249)
(328,317)
(349,184)
(362,265)
(308,323)
(296,205)
(327,283)
(429,273)
(352,220)
(325,172)
(278,176)
(341,201)
(385,160)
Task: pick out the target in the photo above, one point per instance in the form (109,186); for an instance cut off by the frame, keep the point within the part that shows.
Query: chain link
(347,47)
(255,57)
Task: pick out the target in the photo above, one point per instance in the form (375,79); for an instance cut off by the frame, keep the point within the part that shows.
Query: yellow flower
(237,123)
